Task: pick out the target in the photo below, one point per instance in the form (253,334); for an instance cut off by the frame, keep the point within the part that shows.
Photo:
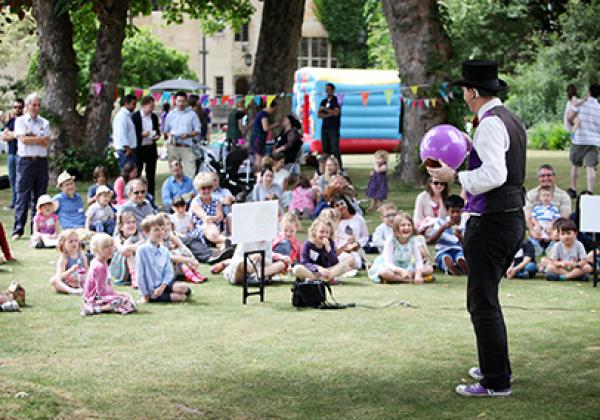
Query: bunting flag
(224,99)
(414,89)
(156,96)
(146,92)
(444,85)
(388,95)
(257,100)
(248,100)
(340,98)
(128,91)
(365,98)
(231,101)
(263,98)
(213,101)
(204,100)
(138,93)
(433,102)
(407,102)
(270,99)
(166,96)
(97,87)
(117,92)
(426,103)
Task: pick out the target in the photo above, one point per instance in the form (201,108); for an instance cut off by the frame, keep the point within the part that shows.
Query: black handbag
(4,182)
(309,293)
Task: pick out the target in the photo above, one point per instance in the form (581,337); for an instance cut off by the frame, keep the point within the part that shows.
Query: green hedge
(548,136)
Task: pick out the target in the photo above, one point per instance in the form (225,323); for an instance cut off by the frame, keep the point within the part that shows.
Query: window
(242,36)
(315,52)
(219,85)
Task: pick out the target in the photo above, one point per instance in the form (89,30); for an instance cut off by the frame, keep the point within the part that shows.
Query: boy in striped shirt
(447,234)
(542,217)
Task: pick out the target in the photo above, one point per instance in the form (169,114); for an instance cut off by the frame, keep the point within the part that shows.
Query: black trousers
(330,141)
(490,243)
(32,181)
(147,156)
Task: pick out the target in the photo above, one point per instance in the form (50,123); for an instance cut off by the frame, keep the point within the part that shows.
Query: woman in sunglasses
(429,205)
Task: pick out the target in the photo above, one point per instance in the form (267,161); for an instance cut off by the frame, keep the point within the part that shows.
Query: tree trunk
(105,68)
(422,47)
(58,70)
(277,52)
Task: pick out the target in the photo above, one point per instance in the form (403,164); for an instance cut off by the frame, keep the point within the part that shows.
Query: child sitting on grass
(181,218)
(523,265)
(286,244)
(127,240)
(153,267)
(555,237)
(318,257)
(447,234)
(98,293)
(569,259)
(100,216)
(401,260)
(385,230)
(45,224)
(71,265)
(542,217)
(303,198)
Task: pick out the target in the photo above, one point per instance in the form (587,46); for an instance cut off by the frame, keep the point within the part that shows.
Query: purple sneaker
(477,390)
(476,374)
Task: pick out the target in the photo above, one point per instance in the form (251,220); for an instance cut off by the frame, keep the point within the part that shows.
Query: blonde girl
(377,189)
(98,293)
(401,260)
(71,265)
(318,258)
(127,240)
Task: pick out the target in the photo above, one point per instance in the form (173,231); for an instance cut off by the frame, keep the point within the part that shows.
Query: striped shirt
(545,215)
(588,132)
(448,240)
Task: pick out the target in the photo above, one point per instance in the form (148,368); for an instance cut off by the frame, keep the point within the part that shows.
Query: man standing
(147,131)
(33,136)
(124,138)
(8,135)
(182,126)
(584,150)
(494,184)
(560,198)
(329,111)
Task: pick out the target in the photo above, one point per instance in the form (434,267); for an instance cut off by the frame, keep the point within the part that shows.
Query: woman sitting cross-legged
(207,213)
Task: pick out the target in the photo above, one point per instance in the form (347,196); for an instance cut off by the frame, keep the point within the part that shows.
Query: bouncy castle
(370,107)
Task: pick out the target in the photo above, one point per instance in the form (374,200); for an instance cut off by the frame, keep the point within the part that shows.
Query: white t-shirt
(99,213)
(280,176)
(182,224)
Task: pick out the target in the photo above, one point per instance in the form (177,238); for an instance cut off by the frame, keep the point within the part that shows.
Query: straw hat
(63,177)
(45,199)
(103,189)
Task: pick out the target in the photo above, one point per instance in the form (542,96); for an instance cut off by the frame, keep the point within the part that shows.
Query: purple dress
(377,189)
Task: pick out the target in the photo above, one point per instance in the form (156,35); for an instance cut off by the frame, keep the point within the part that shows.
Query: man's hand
(444,173)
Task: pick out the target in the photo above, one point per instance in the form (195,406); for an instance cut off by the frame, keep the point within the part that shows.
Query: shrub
(548,136)
(80,162)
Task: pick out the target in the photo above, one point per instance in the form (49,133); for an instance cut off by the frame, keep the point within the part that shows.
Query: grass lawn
(215,358)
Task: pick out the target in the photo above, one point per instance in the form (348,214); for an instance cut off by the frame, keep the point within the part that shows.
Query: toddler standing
(377,189)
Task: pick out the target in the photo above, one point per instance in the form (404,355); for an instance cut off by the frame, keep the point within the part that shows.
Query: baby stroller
(235,171)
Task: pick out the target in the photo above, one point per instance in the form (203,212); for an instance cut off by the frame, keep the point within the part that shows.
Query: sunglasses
(140,192)
(437,183)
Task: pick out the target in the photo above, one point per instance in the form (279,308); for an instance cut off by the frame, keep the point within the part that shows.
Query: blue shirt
(12,144)
(70,211)
(171,189)
(153,267)
(182,122)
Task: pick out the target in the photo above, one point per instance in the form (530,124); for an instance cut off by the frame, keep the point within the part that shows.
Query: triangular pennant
(138,93)
(426,103)
(407,102)
(224,99)
(263,98)
(365,98)
(248,100)
(213,101)
(451,95)
(433,102)
(97,88)
(340,98)
(257,100)
(388,95)
(146,92)
(415,103)
(166,96)
(156,96)
(414,89)
(231,101)
(204,99)
(444,85)
(270,100)
(127,91)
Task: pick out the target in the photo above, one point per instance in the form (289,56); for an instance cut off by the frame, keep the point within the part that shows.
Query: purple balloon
(444,143)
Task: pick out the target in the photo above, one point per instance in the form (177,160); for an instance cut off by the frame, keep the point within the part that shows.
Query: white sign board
(253,222)
(589,216)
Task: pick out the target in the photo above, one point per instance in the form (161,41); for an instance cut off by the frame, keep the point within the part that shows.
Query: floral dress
(98,292)
(395,254)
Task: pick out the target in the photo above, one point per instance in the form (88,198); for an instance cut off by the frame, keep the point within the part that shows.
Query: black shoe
(253,280)
(221,255)
(572,193)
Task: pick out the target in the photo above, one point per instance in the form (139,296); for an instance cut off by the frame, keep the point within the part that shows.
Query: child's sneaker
(478,390)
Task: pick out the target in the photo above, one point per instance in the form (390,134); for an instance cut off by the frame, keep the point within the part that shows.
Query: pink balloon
(444,143)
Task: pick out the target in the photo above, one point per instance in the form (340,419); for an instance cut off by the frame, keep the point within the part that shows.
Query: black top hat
(481,74)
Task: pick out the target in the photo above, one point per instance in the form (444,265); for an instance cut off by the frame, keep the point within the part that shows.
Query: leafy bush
(548,136)
(80,162)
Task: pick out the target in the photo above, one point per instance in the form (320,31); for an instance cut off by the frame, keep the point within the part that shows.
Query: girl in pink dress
(303,198)
(98,293)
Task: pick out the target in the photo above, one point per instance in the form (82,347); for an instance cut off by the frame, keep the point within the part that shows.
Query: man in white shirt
(33,135)
(124,138)
(495,195)
(584,149)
